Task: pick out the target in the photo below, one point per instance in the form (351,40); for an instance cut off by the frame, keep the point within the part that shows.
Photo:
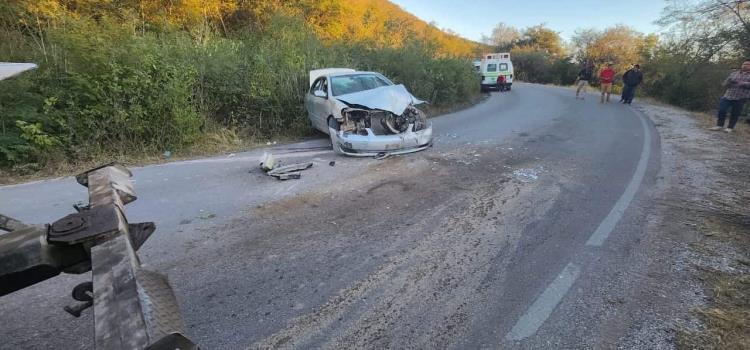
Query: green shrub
(696,86)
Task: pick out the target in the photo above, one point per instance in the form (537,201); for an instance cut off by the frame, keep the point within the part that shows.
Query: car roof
(337,74)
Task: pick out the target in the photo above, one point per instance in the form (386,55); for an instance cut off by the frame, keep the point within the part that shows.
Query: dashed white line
(542,307)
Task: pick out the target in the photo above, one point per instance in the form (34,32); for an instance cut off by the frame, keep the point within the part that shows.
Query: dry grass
(214,142)
(727,320)
(706,120)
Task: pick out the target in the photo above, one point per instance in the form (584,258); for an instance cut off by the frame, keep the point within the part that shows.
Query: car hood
(392,98)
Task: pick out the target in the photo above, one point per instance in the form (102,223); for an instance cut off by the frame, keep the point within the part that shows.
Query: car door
(310,100)
(320,104)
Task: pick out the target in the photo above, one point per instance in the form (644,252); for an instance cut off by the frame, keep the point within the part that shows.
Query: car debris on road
(267,161)
(282,172)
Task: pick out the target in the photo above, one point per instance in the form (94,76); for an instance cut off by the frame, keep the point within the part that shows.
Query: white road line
(614,216)
(543,306)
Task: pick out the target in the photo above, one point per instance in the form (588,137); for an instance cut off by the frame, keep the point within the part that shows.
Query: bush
(101,92)
(536,66)
(670,78)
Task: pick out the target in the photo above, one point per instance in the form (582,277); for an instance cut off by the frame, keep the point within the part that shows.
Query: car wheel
(333,124)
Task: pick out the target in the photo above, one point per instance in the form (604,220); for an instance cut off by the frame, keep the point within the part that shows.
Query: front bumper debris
(370,145)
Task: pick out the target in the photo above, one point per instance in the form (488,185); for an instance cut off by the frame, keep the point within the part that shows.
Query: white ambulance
(493,65)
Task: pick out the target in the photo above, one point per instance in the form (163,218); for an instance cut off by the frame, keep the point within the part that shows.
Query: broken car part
(288,176)
(134,308)
(267,161)
(285,172)
(290,168)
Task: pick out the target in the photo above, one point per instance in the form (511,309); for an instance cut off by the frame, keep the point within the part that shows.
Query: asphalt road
(516,230)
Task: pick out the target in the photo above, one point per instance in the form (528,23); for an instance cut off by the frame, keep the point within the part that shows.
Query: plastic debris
(288,176)
(267,161)
(290,168)
(285,172)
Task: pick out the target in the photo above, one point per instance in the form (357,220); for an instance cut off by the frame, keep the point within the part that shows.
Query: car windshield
(347,84)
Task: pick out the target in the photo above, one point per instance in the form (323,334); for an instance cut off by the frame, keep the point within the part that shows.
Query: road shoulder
(695,291)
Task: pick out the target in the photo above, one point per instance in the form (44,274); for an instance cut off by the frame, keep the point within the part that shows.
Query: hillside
(377,22)
(385,23)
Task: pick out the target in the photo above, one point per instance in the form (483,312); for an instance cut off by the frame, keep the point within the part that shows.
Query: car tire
(333,124)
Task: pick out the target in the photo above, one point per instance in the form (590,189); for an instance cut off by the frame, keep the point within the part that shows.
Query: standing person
(584,76)
(501,83)
(631,79)
(607,76)
(738,90)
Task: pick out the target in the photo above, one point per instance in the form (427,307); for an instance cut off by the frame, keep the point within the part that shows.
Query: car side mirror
(320,93)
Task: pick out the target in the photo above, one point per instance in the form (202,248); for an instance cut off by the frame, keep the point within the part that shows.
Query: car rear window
(503,66)
(492,67)
(347,84)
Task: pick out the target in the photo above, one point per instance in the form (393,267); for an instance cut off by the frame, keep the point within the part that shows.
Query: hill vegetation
(130,78)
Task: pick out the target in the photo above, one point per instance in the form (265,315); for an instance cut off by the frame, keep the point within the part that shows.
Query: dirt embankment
(704,223)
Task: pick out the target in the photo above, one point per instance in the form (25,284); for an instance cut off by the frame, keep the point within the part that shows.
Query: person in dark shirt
(631,79)
(583,79)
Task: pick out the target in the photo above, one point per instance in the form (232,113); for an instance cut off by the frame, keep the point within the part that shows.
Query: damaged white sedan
(365,114)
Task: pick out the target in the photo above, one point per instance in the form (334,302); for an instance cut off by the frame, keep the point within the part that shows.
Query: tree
(581,41)
(539,56)
(710,28)
(503,37)
(543,39)
(620,45)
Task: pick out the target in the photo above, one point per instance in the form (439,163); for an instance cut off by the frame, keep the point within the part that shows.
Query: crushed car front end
(359,137)
(384,120)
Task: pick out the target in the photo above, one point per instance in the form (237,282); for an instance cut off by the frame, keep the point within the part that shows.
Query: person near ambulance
(501,83)
(606,77)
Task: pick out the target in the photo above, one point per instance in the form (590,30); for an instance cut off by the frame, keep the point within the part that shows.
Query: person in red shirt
(501,83)
(606,77)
